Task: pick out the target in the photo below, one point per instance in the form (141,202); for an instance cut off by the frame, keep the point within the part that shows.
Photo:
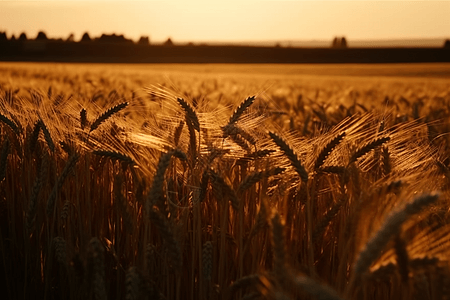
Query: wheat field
(203,182)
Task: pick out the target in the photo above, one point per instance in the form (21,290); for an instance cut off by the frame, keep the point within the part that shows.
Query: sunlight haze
(229,21)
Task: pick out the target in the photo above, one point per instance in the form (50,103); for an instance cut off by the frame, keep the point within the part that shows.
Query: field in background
(175,182)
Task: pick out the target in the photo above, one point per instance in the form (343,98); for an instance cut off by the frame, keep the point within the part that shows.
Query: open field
(224,181)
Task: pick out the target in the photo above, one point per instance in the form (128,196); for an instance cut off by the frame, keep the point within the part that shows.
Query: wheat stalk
(402,257)
(279,248)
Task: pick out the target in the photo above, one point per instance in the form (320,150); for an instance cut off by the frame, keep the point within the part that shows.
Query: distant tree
(86,37)
(3,36)
(70,38)
(168,42)
(339,42)
(144,40)
(23,36)
(13,38)
(113,38)
(447,44)
(336,43)
(41,36)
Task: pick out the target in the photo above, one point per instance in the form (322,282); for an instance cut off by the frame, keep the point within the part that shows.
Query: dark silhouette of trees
(168,42)
(144,40)
(113,38)
(335,43)
(23,36)
(117,48)
(339,42)
(447,44)
(71,38)
(86,37)
(41,36)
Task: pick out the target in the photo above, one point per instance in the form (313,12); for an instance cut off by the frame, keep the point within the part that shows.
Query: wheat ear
(222,189)
(166,233)
(191,115)
(32,139)
(255,177)
(83,119)
(47,136)
(326,151)
(261,219)
(203,185)
(122,205)
(315,289)
(259,154)
(39,182)
(367,148)
(234,130)
(10,123)
(68,147)
(293,158)
(132,283)
(339,170)
(4,159)
(60,250)
(240,110)
(390,227)
(155,193)
(207,256)
(328,217)
(114,155)
(107,114)
(67,169)
(192,141)
(386,161)
(96,260)
(177,133)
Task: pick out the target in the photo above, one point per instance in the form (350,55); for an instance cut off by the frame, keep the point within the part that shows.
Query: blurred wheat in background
(222,187)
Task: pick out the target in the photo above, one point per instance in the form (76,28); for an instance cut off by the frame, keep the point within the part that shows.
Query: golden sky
(229,21)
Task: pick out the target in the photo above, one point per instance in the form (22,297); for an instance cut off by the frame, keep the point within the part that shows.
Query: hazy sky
(242,20)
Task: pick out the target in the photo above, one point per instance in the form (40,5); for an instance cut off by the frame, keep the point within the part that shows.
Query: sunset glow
(230,21)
